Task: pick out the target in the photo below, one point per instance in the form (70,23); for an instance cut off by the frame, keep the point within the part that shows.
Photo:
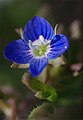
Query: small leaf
(19,31)
(57,62)
(42,91)
(23,66)
(55,29)
(42,112)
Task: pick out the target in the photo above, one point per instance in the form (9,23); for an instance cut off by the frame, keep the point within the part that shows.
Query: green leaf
(42,90)
(43,112)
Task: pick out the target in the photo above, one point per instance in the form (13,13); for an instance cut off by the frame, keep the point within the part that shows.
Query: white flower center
(39,47)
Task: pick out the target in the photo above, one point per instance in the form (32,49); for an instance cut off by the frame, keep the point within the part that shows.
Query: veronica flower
(37,46)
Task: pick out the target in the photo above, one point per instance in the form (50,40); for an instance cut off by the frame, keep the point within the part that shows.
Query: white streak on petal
(65,47)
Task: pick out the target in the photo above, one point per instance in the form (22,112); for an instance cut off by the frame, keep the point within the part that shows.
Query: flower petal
(18,51)
(58,46)
(37,65)
(37,26)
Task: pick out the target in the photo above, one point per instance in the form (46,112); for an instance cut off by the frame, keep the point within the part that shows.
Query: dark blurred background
(14,14)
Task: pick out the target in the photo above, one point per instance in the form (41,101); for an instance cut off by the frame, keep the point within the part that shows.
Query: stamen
(41,38)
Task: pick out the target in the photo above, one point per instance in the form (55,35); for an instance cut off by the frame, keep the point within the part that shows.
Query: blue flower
(38,45)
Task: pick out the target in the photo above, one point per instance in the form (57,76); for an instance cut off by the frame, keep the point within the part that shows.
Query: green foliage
(42,90)
(43,112)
